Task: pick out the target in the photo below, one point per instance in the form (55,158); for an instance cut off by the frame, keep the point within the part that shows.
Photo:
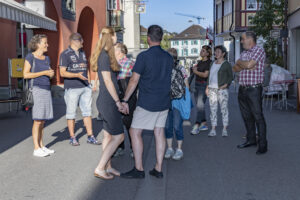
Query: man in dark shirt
(74,70)
(152,72)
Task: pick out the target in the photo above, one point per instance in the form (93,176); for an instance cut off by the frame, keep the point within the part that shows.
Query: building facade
(189,43)
(86,17)
(232,17)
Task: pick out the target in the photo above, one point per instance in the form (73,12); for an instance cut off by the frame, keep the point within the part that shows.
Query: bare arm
(29,75)
(246,64)
(110,86)
(65,74)
(134,80)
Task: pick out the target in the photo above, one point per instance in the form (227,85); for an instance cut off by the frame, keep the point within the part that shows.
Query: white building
(189,43)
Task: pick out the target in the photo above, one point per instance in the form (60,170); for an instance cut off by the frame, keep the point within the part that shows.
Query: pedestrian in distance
(174,122)
(78,91)
(219,80)
(104,62)
(126,66)
(251,79)
(37,68)
(201,71)
(152,73)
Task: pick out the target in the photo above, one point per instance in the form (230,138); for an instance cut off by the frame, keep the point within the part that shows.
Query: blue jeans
(174,123)
(200,98)
(81,96)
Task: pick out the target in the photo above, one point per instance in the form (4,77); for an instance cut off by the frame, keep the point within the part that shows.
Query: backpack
(177,84)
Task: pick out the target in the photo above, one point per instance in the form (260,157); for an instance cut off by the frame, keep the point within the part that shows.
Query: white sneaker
(178,155)
(195,129)
(40,153)
(169,153)
(224,133)
(49,151)
(212,133)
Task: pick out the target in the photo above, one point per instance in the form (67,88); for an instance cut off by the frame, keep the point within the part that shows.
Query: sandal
(103,174)
(113,171)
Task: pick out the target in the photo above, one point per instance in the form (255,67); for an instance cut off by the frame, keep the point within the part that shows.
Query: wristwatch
(123,101)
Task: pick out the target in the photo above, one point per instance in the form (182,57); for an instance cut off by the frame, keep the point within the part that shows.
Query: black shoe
(246,144)
(156,173)
(134,173)
(261,150)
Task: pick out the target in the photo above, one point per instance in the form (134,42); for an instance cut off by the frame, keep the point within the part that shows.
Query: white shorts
(146,120)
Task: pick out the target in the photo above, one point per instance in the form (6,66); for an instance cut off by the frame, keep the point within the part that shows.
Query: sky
(162,12)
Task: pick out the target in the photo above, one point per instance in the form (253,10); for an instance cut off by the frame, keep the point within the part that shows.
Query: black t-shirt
(154,67)
(74,64)
(203,66)
(104,65)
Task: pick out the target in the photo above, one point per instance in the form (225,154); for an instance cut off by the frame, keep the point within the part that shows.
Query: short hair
(155,33)
(252,35)
(35,40)
(223,49)
(75,36)
(208,49)
(173,53)
(122,48)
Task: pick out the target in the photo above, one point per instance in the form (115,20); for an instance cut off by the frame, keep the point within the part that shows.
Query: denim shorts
(81,96)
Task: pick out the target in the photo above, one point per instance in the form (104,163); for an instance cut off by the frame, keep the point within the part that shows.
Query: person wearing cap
(74,70)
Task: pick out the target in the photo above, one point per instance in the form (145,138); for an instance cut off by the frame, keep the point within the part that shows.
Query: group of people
(137,95)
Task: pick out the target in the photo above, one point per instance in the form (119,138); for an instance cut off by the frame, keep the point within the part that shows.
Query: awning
(12,10)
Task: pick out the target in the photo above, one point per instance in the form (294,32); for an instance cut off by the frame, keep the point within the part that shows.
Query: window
(111,4)
(227,7)
(194,42)
(175,43)
(186,42)
(219,11)
(250,18)
(184,52)
(194,51)
(251,5)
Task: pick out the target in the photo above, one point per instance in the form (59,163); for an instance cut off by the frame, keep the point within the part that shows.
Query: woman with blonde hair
(37,69)
(104,62)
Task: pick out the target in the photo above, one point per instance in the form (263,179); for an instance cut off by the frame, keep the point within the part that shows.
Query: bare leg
(71,127)
(35,133)
(88,125)
(179,144)
(169,143)
(160,141)
(110,147)
(137,147)
(41,132)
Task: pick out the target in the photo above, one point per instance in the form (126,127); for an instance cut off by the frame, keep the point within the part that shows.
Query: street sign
(275,34)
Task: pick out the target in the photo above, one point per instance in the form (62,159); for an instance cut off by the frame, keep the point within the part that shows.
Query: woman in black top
(104,62)
(201,71)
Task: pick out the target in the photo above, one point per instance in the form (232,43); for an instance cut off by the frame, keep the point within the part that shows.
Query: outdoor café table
(284,85)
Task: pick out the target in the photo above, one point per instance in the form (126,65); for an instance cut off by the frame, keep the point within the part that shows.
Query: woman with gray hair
(37,69)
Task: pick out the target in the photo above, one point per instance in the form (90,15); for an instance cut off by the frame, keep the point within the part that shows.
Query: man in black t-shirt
(74,70)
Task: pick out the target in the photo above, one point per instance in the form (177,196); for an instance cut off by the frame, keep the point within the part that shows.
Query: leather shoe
(261,151)
(246,144)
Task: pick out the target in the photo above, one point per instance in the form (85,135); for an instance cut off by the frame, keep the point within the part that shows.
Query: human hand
(126,108)
(49,73)
(80,76)
(224,86)
(206,91)
(120,107)
(195,69)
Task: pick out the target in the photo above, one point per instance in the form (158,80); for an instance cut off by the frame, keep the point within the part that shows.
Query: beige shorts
(146,120)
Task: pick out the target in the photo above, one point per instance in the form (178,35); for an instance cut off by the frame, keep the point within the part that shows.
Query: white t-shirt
(213,75)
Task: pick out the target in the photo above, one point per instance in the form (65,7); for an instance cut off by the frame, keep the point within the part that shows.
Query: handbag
(27,100)
(184,105)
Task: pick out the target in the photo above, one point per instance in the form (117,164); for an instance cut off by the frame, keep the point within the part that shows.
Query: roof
(192,32)
(143,29)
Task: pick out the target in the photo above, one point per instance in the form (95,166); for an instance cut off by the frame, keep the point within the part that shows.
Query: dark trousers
(250,101)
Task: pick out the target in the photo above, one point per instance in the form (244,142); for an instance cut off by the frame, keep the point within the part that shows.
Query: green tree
(269,16)
(166,43)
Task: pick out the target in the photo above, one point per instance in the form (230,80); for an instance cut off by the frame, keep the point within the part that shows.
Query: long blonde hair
(105,43)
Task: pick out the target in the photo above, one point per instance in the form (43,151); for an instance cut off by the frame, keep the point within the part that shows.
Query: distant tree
(166,43)
(270,15)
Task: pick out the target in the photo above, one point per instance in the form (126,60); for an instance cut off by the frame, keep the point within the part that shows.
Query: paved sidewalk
(212,168)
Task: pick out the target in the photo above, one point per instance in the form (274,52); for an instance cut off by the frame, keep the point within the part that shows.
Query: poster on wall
(68,9)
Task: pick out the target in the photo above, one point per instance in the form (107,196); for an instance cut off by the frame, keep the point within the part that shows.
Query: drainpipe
(230,33)
(214,39)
